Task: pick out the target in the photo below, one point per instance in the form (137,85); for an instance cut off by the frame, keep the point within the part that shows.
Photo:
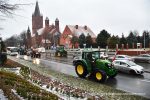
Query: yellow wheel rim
(80,69)
(98,76)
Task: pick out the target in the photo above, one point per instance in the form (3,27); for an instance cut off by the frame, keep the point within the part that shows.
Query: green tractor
(91,64)
(60,52)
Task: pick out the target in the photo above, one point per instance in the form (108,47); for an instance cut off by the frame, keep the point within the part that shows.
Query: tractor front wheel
(81,70)
(99,76)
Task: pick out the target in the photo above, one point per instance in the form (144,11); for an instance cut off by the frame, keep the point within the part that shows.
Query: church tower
(57,24)
(37,19)
(29,41)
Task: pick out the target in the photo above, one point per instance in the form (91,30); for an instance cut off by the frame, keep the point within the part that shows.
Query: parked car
(121,57)
(13,52)
(128,66)
(142,58)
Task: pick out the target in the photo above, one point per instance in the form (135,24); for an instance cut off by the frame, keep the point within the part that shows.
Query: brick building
(75,30)
(46,36)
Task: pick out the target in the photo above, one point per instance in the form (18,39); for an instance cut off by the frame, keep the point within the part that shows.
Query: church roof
(80,30)
(51,29)
(37,10)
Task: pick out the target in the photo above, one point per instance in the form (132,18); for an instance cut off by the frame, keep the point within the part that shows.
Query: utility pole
(144,40)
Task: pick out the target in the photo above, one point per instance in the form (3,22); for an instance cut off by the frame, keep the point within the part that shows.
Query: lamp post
(144,40)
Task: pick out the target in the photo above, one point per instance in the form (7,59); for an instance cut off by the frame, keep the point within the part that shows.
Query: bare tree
(7,8)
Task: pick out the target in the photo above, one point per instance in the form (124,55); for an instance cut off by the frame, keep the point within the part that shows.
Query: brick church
(44,36)
(49,34)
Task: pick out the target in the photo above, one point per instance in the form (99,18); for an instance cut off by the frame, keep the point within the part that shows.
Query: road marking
(146,80)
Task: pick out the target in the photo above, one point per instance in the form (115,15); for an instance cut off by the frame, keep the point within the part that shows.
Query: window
(117,63)
(122,63)
(120,57)
(146,56)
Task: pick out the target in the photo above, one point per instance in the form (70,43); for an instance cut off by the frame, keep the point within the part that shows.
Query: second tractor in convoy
(61,52)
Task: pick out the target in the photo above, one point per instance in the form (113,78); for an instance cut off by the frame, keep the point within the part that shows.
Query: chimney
(46,22)
(76,26)
(85,27)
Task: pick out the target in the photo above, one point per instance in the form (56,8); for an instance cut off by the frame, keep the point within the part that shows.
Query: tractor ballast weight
(90,63)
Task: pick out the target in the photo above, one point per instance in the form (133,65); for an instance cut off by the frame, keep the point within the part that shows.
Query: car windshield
(131,63)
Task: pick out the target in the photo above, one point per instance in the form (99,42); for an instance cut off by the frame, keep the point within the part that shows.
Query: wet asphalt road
(137,84)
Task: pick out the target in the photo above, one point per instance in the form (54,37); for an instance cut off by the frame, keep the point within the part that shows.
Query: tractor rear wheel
(81,70)
(99,76)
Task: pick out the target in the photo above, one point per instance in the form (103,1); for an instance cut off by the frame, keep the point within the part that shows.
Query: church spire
(37,10)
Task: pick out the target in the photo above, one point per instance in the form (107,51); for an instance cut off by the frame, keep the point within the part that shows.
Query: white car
(128,66)
(121,57)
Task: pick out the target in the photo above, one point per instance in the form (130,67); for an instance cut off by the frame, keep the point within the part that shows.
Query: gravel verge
(106,92)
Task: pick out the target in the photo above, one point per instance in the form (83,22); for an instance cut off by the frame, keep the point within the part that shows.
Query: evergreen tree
(74,40)
(131,39)
(123,40)
(102,38)
(81,40)
(89,41)
(112,41)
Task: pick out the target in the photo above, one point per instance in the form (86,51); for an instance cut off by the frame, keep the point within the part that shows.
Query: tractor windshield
(96,55)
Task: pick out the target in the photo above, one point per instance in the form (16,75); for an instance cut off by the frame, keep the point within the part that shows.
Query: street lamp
(144,40)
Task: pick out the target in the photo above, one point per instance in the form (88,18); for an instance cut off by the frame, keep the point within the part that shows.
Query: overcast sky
(115,16)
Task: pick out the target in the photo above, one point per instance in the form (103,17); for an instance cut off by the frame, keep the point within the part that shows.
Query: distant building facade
(46,36)
(75,30)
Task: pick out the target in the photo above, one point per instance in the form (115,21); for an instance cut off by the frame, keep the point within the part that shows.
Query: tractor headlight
(109,65)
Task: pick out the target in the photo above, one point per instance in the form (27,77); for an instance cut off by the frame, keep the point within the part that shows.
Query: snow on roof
(40,31)
(80,30)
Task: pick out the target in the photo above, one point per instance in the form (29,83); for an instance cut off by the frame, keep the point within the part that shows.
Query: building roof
(37,10)
(81,29)
(51,29)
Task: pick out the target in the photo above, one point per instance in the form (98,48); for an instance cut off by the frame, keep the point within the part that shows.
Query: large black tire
(99,76)
(81,70)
